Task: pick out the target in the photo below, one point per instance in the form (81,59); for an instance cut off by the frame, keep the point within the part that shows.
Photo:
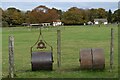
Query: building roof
(58,20)
(34,24)
(45,23)
(102,20)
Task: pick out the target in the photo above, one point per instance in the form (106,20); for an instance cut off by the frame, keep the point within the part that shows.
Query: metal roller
(85,59)
(42,61)
(92,59)
(41,58)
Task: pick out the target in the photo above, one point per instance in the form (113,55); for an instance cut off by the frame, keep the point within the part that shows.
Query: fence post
(11,57)
(58,48)
(111,49)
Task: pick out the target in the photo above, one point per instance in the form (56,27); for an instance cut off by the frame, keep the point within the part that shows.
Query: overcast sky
(60,0)
(61,5)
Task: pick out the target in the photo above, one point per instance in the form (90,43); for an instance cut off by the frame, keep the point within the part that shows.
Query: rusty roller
(92,59)
(98,58)
(41,59)
(85,59)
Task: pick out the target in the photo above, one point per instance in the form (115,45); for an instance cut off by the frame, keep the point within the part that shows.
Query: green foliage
(74,15)
(5,24)
(116,16)
(92,14)
(39,16)
(109,17)
(80,16)
(13,16)
(101,13)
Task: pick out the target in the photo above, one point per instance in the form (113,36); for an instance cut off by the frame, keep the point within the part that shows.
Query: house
(25,24)
(57,23)
(35,25)
(45,24)
(100,21)
(40,25)
(89,23)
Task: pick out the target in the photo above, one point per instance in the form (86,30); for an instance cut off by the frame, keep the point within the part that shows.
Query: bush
(5,24)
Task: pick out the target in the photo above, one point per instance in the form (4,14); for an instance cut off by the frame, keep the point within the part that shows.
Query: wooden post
(11,56)
(58,49)
(111,49)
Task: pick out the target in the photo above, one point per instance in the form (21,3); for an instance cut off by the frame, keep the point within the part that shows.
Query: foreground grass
(74,38)
(0,52)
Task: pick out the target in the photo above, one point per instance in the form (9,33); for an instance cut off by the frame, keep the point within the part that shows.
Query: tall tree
(109,16)
(17,18)
(60,12)
(43,14)
(74,16)
(116,16)
(101,13)
(1,11)
(92,14)
(13,16)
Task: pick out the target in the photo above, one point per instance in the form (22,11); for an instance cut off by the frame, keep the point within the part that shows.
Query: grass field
(74,38)
(0,52)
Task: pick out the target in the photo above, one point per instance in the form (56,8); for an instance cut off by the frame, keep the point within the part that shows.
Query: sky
(24,6)
(60,0)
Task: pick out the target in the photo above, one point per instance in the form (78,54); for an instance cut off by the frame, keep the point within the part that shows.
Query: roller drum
(42,61)
(85,59)
(98,58)
(92,58)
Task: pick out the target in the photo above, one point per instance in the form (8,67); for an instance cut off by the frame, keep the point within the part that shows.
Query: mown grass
(0,52)
(73,38)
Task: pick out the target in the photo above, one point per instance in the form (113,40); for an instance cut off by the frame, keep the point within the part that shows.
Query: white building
(34,24)
(89,23)
(100,21)
(45,24)
(57,23)
(40,25)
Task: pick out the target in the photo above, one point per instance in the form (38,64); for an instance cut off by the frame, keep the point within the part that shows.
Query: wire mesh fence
(73,38)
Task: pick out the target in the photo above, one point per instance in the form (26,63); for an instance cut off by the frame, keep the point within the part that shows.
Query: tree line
(43,14)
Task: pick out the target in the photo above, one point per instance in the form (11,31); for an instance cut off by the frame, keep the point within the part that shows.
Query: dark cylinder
(41,61)
(92,59)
